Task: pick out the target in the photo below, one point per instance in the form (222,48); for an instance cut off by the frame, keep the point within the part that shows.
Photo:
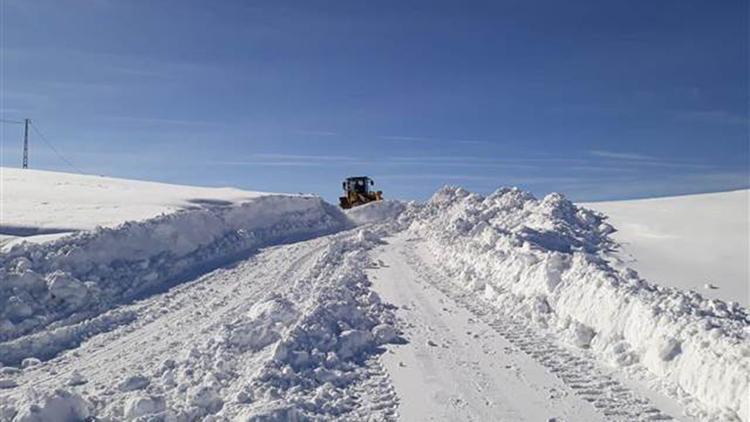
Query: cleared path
(460,363)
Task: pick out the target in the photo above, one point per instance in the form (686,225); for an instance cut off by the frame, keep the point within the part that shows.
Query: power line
(49,144)
(18,122)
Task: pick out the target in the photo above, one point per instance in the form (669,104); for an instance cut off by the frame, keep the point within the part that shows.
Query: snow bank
(59,405)
(45,203)
(82,275)
(545,260)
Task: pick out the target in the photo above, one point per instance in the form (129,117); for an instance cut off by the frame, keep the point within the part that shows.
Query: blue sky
(596,99)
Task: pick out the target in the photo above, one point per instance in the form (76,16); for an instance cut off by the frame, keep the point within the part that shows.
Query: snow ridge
(320,365)
(82,275)
(546,260)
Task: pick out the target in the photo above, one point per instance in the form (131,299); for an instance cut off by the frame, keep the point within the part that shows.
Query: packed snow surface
(694,242)
(278,307)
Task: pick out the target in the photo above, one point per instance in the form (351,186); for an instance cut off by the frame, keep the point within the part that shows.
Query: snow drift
(79,276)
(546,260)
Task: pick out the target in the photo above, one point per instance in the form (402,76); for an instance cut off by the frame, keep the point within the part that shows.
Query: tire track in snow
(612,399)
(383,406)
(453,365)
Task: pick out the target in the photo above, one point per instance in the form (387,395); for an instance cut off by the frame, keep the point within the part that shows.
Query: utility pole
(26,143)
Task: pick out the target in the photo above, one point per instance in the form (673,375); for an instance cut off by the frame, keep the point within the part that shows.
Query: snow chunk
(582,335)
(134,382)
(621,355)
(66,290)
(16,309)
(59,405)
(140,405)
(669,348)
(352,342)
(30,362)
(385,333)
(10,370)
(205,397)
(76,379)
(263,324)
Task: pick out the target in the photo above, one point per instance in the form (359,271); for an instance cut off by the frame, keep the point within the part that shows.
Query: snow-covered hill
(45,205)
(229,305)
(697,242)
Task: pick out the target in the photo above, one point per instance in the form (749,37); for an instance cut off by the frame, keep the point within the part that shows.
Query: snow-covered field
(247,306)
(697,242)
(45,205)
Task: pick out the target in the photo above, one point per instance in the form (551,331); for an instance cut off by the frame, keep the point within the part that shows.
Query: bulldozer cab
(357,192)
(358,184)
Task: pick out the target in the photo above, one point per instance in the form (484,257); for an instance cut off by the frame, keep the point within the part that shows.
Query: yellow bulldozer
(357,192)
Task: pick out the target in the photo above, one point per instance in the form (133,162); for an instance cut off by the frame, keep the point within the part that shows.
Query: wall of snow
(40,201)
(82,275)
(546,260)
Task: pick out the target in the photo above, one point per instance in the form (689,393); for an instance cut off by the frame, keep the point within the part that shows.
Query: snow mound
(323,357)
(263,324)
(546,260)
(82,275)
(376,212)
(59,405)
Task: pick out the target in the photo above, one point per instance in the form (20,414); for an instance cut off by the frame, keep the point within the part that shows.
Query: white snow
(274,307)
(57,405)
(455,366)
(142,405)
(518,252)
(74,278)
(376,212)
(697,242)
(42,205)
(289,332)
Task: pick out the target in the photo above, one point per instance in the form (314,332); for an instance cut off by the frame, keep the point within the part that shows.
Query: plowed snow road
(499,307)
(461,364)
(459,361)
